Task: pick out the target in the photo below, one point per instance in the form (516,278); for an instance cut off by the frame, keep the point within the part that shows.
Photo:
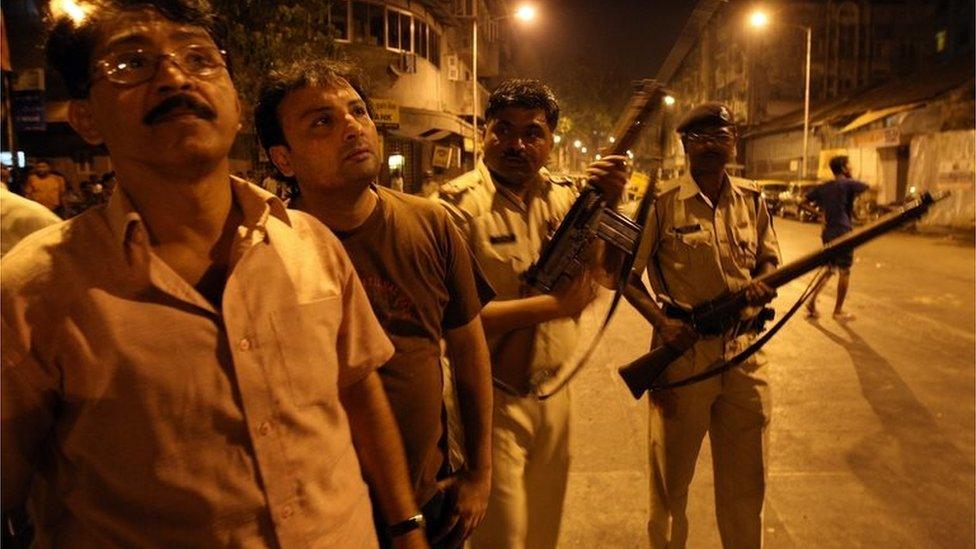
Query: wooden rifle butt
(641,374)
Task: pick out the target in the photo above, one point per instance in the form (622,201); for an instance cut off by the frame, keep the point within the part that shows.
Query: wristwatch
(406,526)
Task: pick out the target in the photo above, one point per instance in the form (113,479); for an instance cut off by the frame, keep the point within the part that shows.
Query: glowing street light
(758,19)
(557,138)
(583,150)
(577,143)
(669,100)
(525,12)
(613,139)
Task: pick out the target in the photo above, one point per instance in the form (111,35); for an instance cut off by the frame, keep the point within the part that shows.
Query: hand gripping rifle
(720,314)
(565,255)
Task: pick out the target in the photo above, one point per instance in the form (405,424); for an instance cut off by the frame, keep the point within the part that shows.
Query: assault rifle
(720,314)
(565,254)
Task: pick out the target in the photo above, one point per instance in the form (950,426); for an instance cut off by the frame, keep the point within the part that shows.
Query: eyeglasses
(137,66)
(719,136)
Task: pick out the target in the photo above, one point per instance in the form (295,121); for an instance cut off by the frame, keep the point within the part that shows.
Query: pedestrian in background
(46,187)
(836,199)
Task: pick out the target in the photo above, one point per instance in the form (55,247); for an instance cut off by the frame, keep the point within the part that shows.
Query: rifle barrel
(813,260)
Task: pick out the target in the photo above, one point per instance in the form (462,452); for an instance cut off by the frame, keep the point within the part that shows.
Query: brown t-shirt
(420,278)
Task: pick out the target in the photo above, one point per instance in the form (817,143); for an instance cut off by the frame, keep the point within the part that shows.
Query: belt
(754,324)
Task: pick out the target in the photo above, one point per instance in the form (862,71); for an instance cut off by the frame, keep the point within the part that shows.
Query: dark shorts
(841,261)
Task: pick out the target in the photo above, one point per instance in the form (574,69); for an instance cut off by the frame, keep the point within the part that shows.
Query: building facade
(891,88)
(416,55)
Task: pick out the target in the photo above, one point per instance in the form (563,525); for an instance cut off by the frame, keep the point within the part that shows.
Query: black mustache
(515,155)
(178,102)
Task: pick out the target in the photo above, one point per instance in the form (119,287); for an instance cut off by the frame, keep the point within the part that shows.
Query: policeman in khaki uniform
(708,233)
(507,207)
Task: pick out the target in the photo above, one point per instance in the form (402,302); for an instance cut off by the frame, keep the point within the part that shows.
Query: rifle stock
(641,374)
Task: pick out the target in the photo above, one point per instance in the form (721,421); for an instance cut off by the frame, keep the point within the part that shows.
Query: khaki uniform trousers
(733,408)
(530,466)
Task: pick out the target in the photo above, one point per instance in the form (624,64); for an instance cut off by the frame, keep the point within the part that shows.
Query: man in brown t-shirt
(314,121)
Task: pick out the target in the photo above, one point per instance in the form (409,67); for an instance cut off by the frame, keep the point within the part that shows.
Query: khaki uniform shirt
(138,414)
(695,251)
(506,236)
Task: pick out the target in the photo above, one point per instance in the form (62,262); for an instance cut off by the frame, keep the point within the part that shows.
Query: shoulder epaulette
(454,189)
(744,184)
(668,186)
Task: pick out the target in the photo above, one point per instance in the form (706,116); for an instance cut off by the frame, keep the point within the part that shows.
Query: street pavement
(872,435)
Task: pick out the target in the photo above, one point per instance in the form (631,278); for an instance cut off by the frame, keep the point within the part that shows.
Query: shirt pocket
(691,249)
(306,339)
(746,245)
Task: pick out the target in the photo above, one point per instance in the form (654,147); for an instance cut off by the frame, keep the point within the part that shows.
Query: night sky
(589,52)
(630,38)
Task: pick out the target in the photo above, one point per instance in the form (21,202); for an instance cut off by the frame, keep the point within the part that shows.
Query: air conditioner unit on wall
(453,67)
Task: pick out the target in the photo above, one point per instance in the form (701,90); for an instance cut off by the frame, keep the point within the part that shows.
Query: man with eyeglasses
(177,366)
(708,233)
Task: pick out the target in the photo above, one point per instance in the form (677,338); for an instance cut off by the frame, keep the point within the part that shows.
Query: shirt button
(287,512)
(244,344)
(264,428)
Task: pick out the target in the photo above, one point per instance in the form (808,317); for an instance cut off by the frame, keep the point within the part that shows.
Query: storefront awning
(429,125)
(872,116)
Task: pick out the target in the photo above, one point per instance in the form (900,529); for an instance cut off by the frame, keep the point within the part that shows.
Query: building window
(435,48)
(367,23)
(339,20)
(398,27)
(420,38)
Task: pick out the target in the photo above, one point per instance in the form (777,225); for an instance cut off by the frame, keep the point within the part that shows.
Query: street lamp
(669,100)
(759,19)
(577,143)
(525,13)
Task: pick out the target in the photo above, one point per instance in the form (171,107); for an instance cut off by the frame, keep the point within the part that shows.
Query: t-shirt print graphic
(393,307)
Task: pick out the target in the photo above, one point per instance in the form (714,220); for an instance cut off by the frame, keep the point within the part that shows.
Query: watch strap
(406,526)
